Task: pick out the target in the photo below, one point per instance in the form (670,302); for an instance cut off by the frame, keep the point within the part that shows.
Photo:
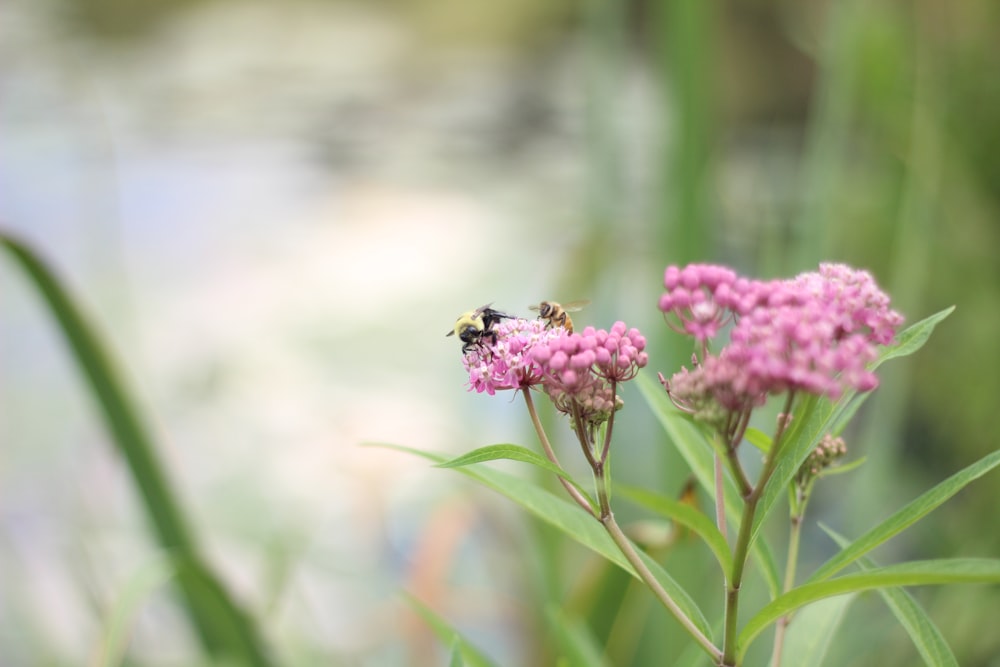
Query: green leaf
(449,636)
(815,417)
(914,337)
(693,445)
(513,453)
(575,640)
(907,516)
(841,469)
(571,520)
(685,515)
(758,439)
(918,573)
(222,627)
(926,637)
(812,629)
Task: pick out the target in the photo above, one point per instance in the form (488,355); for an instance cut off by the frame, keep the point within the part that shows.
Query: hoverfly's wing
(575,306)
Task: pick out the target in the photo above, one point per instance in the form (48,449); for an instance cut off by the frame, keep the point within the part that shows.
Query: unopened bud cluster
(829,450)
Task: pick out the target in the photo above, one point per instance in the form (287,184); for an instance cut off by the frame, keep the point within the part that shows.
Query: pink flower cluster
(815,333)
(507,363)
(575,369)
(579,368)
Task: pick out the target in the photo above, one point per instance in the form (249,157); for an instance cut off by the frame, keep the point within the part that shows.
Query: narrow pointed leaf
(758,439)
(571,520)
(926,636)
(513,453)
(906,517)
(222,626)
(918,573)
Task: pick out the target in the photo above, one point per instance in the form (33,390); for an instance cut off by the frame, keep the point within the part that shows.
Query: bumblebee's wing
(478,312)
(574,306)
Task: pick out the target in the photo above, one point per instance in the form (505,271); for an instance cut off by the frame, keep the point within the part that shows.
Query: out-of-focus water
(274,212)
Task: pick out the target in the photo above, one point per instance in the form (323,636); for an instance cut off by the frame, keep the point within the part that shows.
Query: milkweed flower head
(580,370)
(815,333)
(506,362)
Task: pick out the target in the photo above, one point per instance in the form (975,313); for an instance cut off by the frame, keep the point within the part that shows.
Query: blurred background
(274,212)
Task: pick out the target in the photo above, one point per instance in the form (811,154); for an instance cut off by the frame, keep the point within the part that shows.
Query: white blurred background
(274,212)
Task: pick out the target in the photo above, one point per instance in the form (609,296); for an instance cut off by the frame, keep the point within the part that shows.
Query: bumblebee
(558,314)
(472,327)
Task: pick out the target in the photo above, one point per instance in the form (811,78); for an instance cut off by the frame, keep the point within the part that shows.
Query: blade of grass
(222,627)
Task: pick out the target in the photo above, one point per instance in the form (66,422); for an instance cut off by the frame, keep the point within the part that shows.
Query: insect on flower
(473,326)
(557,315)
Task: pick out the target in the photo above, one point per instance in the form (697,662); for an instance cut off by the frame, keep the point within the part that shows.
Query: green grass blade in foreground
(696,451)
(926,637)
(818,418)
(513,453)
(448,635)
(906,517)
(571,520)
(917,573)
(221,626)
(685,515)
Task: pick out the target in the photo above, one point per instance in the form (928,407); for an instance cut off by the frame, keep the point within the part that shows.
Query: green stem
(550,453)
(720,496)
(742,550)
(654,585)
(797,513)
